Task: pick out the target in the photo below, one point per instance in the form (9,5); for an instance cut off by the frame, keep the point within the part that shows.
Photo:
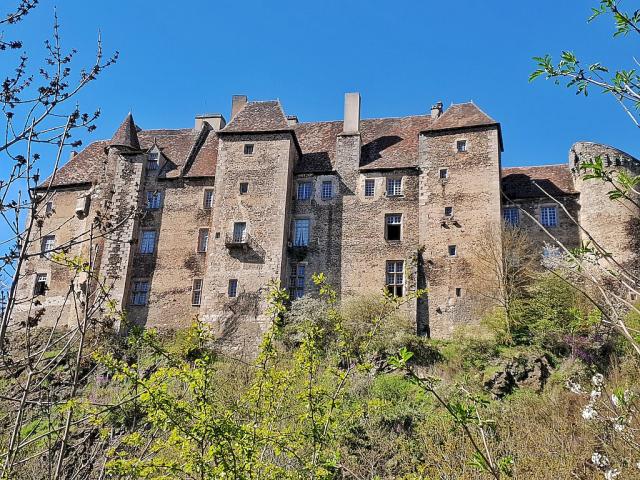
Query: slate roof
(126,135)
(386,143)
(517,182)
(258,117)
(461,115)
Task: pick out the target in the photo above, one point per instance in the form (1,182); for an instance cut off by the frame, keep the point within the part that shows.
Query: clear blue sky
(179,58)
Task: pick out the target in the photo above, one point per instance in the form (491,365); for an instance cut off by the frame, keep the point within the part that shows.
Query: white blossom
(611,473)
(589,413)
(597,380)
(595,394)
(615,400)
(574,387)
(599,460)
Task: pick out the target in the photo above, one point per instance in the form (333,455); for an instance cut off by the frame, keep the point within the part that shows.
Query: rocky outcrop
(521,372)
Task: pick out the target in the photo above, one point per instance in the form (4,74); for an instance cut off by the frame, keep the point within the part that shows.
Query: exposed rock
(521,372)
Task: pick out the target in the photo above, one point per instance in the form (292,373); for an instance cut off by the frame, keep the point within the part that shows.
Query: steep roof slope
(258,117)
(518,182)
(461,115)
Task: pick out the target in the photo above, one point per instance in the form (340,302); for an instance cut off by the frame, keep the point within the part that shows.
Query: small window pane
(453,250)
(152,163)
(549,216)
(40,286)
(48,244)
(233,288)
(248,148)
(301,232)
(153,200)
(304,190)
(140,292)
(394,281)
(203,239)
(511,215)
(244,187)
(327,189)
(461,145)
(444,173)
(239,232)
(393,226)
(369,188)
(394,187)
(448,211)
(208,198)
(148,242)
(196,296)
(48,208)
(297,280)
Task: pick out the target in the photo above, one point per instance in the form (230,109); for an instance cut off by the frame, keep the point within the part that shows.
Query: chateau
(207,216)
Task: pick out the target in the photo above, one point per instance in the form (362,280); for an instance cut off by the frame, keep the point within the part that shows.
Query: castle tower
(614,224)
(250,220)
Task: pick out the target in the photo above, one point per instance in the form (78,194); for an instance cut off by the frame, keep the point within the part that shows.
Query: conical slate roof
(126,135)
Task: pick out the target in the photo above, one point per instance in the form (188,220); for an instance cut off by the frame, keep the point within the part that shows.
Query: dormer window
(248,148)
(153,161)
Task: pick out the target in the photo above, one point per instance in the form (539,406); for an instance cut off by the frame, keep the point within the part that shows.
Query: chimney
(436,110)
(292,120)
(237,103)
(72,154)
(215,121)
(351,113)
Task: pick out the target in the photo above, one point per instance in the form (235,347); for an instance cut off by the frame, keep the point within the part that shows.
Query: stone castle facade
(207,216)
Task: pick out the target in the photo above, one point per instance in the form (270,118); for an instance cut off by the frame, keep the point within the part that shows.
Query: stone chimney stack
(237,103)
(215,120)
(436,110)
(292,120)
(351,113)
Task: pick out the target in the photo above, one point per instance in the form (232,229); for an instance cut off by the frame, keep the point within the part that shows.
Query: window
(369,187)
(511,215)
(148,243)
(40,287)
(196,292)
(239,232)
(448,211)
(48,209)
(304,190)
(327,190)
(395,277)
(233,288)
(444,173)
(458,292)
(208,198)
(248,148)
(153,200)
(461,146)
(301,232)
(453,250)
(152,163)
(139,292)
(393,226)
(549,216)
(203,239)
(244,187)
(296,280)
(394,187)
(48,244)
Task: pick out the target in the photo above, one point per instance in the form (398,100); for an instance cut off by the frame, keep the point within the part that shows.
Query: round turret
(614,224)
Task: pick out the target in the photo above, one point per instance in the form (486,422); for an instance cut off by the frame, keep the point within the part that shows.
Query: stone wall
(472,188)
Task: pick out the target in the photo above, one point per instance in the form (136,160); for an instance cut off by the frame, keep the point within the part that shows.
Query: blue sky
(182,58)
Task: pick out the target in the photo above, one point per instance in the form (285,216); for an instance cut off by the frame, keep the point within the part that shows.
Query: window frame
(329,184)
(153,163)
(544,219)
(45,250)
(462,143)
(511,215)
(446,173)
(40,286)
(448,212)
(243,237)
(391,284)
(48,208)
(232,288)
(205,193)
(396,182)
(304,243)
(369,192)
(388,217)
(297,280)
(156,195)
(142,249)
(196,291)
(249,149)
(243,188)
(305,186)
(454,248)
(203,240)
(135,292)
